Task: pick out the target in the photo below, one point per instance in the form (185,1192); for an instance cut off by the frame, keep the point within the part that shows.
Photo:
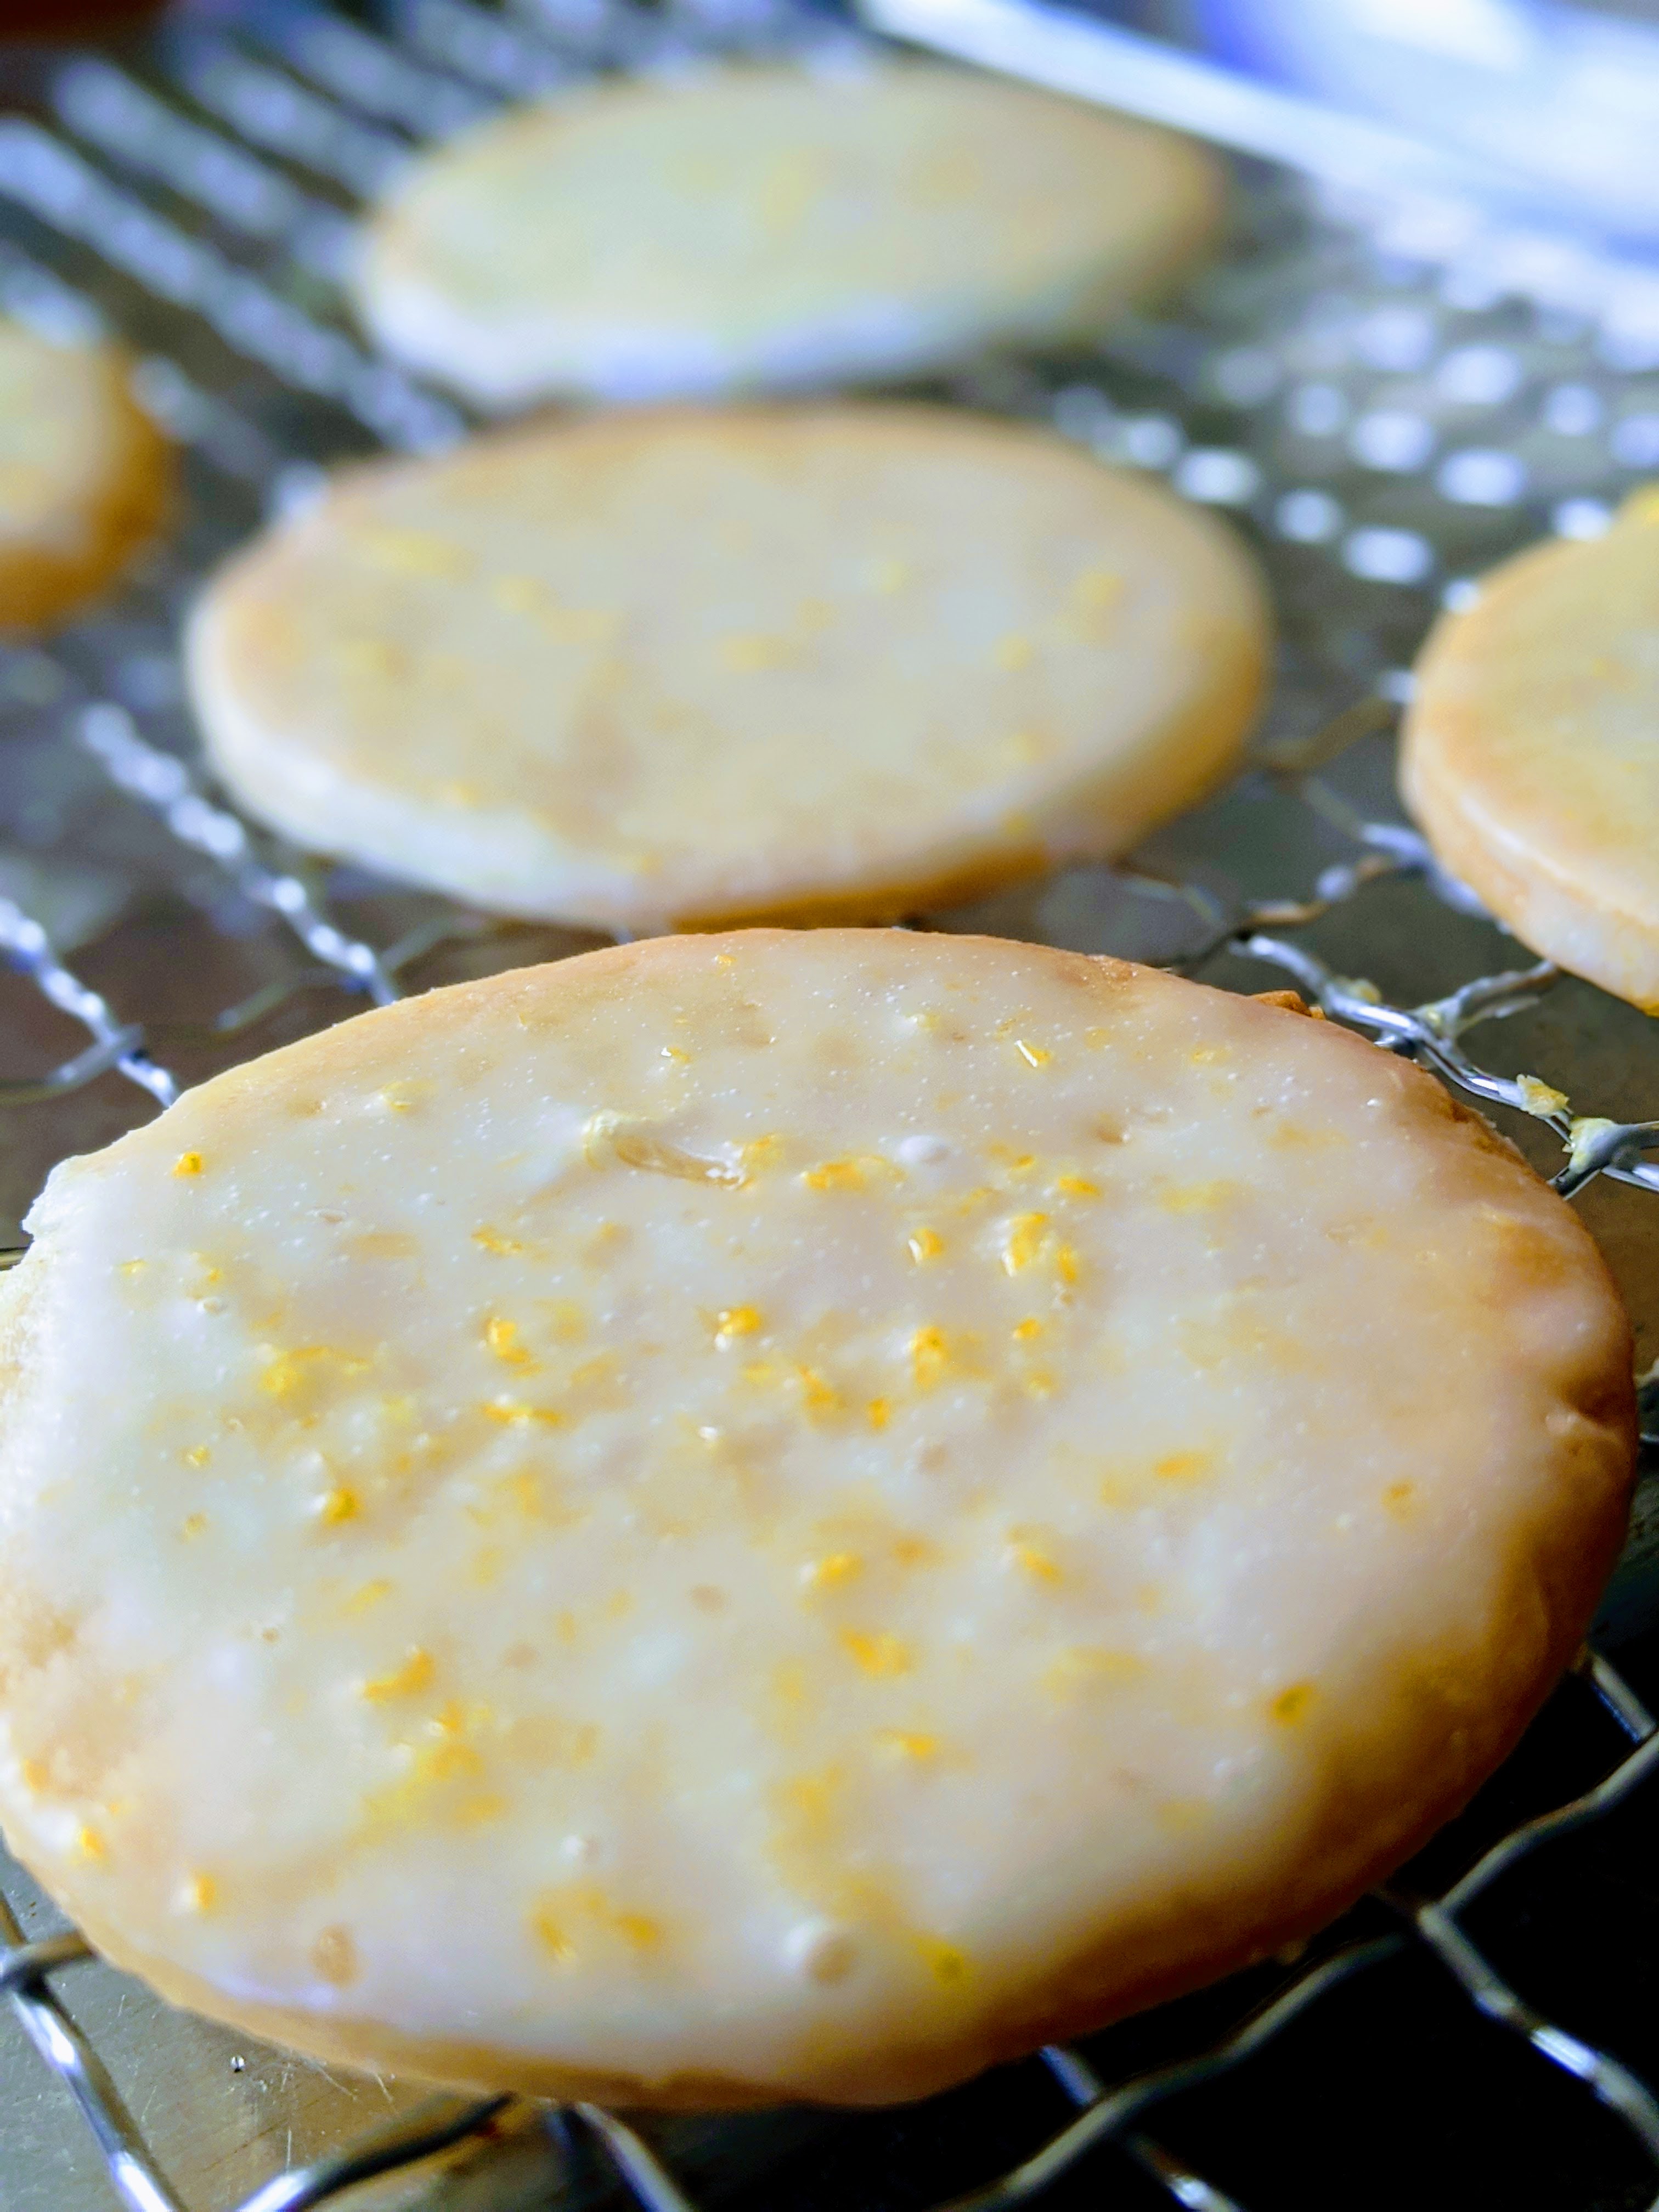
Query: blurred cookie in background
(765,227)
(652,669)
(84,475)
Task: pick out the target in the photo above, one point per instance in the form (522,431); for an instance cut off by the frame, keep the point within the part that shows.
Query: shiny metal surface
(1387,397)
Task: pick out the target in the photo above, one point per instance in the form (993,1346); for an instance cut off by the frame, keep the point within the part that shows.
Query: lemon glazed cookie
(783,1515)
(647,670)
(765,227)
(1530,754)
(84,475)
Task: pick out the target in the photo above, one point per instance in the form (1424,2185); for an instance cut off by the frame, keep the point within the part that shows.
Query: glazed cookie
(1531,751)
(782,1515)
(762,226)
(84,475)
(651,669)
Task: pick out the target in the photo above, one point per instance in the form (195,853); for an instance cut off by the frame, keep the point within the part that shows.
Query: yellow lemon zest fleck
(924,1244)
(200,1893)
(476,1811)
(930,1357)
(414,1674)
(1065,1262)
(286,1372)
(1398,1499)
(187,1163)
(1288,1707)
(193,1526)
(369,1594)
(907,1744)
(1195,1197)
(443,1762)
(639,1928)
(554,1935)
(673,1051)
(502,1339)
(734,1321)
(1024,1331)
(493,1241)
(877,1413)
(585,1902)
(834,1567)
(404,1097)
(198,1456)
(1035,1562)
(1183,1466)
(1070,1186)
(338,1504)
(820,1398)
(91,1843)
(945,1961)
(1034,1055)
(1013,1163)
(524,1490)
(760,1151)
(1092,1662)
(877,1655)
(133,1266)
(509,1410)
(849,1174)
(1023,1242)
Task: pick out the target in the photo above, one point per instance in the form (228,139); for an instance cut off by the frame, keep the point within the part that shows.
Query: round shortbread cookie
(84,475)
(764,228)
(647,670)
(782,1515)
(1530,753)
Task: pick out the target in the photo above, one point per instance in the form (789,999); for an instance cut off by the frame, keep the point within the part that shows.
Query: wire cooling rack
(1387,398)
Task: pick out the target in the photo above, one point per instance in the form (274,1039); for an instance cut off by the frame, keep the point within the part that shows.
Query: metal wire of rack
(199,192)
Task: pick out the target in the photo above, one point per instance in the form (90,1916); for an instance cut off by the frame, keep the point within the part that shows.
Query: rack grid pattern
(197,196)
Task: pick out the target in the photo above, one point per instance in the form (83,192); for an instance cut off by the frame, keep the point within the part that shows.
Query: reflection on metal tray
(1386,399)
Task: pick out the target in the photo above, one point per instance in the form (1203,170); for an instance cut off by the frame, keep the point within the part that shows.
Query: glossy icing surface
(779,1514)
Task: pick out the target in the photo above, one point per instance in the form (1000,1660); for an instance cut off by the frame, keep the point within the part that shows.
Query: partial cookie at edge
(85,476)
(1528,754)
